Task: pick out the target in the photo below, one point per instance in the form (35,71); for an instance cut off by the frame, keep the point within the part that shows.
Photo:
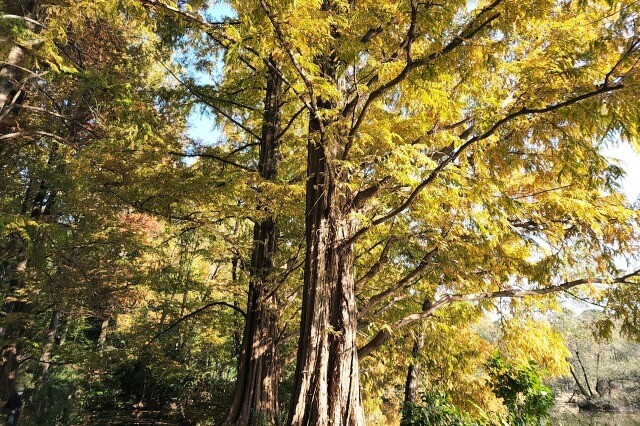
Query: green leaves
(436,409)
(527,398)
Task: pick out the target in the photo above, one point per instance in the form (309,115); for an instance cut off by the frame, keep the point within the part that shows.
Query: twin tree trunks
(326,383)
(326,388)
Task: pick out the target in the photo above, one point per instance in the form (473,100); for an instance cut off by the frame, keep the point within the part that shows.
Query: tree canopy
(392,193)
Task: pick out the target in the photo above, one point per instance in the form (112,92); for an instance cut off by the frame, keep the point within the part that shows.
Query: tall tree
(459,128)
(256,394)
(252,105)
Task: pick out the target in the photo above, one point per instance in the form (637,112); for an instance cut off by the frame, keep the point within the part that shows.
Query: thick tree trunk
(326,383)
(255,398)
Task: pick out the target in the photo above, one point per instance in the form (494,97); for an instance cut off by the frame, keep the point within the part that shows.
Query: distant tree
(599,363)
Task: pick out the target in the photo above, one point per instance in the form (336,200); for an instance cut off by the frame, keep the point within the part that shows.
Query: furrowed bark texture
(326,383)
(255,398)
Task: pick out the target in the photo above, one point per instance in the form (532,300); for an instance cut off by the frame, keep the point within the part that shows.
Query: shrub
(522,391)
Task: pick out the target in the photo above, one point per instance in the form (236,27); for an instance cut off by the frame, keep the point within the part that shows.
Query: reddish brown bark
(326,383)
(256,393)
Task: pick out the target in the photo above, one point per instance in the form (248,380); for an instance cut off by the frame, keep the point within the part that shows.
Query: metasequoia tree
(256,393)
(250,102)
(460,144)
(452,154)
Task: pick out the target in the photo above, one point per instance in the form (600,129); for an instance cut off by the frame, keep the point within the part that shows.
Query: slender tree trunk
(12,69)
(237,336)
(584,373)
(44,364)
(326,383)
(49,342)
(413,372)
(255,398)
(12,333)
(583,391)
(104,331)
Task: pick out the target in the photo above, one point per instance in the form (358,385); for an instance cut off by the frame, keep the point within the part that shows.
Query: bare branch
(375,268)
(197,19)
(290,123)
(192,314)
(24,18)
(408,278)
(214,157)
(363,195)
(32,133)
(207,101)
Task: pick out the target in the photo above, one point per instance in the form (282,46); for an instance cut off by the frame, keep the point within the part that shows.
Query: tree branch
(190,16)
(192,314)
(383,335)
(214,157)
(492,130)
(296,65)
(410,276)
(468,32)
(375,268)
(207,101)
